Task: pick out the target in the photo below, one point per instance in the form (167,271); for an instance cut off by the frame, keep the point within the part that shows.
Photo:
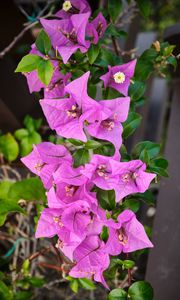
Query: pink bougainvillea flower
(124,177)
(72,223)
(118,77)
(64,194)
(50,224)
(108,125)
(133,178)
(73,7)
(91,260)
(101,119)
(72,176)
(81,216)
(33,81)
(45,159)
(67,116)
(96,28)
(68,35)
(56,88)
(127,235)
(102,172)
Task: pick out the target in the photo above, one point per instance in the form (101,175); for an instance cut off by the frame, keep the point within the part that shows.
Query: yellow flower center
(57,220)
(119,77)
(67,5)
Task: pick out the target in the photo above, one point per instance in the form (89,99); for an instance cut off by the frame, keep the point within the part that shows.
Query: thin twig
(16,39)
(115,45)
(49,266)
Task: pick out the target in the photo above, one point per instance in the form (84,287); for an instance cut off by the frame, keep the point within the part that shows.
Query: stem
(115,45)
(129,272)
(129,277)
(16,39)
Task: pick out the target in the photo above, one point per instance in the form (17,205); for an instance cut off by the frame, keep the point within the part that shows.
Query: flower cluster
(74,213)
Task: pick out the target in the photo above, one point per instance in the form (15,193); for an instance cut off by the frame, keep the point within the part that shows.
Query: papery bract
(68,35)
(50,224)
(100,171)
(91,260)
(45,159)
(108,125)
(65,193)
(73,7)
(56,88)
(124,177)
(133,178)
(67,116)
(127,235)
(118,77)
(96,28)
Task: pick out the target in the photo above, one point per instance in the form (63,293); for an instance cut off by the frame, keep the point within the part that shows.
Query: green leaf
(115,32)
(4,189)
(36,281)
(117,294)
(92,90)
(28,63)
(74,285)
(114,8)
(21,133)
(159,171)
(132,204)
(106,199)
(93,53)
(107,57)
(43,42)
(110,93)
(115,264)
(168,50)
(128,264)
(75,142)
(160,162)
(91,144)
(9,147)
(147,197)
(172,61)
(81,157)
(32,124)
(140,290)
(27,143)
(7,206)
(144,7)
(153,149)
(23,295)
(5,292)
(28,189)
(104,234)
(131,124)
(45,71)
(145,64)
(87,284)
(144,156)
(136,90)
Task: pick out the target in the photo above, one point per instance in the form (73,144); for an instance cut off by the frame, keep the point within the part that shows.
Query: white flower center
(66,5)
(119,77)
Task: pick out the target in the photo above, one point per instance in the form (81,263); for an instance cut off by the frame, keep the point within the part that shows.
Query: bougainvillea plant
(91,182)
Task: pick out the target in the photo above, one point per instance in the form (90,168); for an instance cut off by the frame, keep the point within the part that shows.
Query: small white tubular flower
(67,5)
(119,77)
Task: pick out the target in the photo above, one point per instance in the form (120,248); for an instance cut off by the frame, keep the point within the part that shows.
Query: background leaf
(140,290)
(114,8)
(9,147)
